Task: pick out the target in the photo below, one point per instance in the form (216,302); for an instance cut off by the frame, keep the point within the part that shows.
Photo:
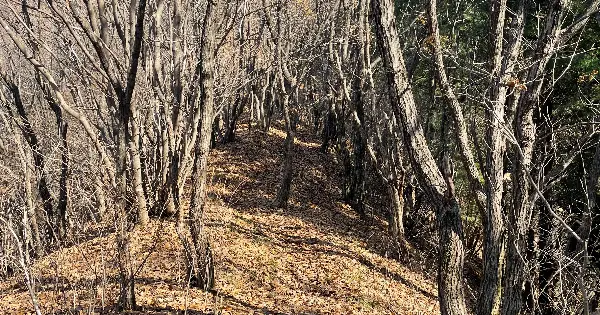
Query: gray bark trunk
(198,251)
(437,186)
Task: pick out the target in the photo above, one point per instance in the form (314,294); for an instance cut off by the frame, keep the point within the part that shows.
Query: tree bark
(38,158)
(437,186)
(198,251)
(283,194)
(63,194)
(525,135)
(396,221)
(29,197)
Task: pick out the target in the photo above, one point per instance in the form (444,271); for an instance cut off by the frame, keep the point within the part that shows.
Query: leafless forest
(299,157)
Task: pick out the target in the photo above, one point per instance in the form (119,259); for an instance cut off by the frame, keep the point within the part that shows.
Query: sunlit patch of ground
(315,257)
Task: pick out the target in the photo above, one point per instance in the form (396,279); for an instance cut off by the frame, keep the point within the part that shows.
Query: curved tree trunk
(438,185)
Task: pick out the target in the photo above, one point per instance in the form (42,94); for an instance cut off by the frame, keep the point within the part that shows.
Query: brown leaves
(311,258)
(516,84)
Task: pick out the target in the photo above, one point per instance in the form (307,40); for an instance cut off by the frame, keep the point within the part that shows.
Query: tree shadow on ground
(246,178)
(317,245)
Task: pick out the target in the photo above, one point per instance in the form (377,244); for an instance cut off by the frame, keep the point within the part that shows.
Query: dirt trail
(315,257)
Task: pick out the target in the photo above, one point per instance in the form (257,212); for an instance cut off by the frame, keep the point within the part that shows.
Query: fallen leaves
(312,258)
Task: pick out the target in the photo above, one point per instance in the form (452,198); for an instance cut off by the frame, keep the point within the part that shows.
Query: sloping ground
(316,257)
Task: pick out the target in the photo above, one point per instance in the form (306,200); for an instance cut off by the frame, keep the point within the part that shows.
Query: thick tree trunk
(437,186)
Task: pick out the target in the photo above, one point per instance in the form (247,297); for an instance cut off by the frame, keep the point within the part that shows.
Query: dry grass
(315,257)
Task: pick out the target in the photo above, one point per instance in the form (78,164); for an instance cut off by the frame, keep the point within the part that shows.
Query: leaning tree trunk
(29,196)
(438,185)
(38,158)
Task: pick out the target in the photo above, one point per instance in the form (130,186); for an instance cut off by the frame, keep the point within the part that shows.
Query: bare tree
(437,182)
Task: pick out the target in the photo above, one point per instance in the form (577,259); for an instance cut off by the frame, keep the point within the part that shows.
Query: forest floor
(315,257)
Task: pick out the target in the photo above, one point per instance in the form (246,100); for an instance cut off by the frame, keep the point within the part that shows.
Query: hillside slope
(316,257)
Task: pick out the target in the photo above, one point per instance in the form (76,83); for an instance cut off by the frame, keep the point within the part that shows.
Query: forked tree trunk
(502,65)
(438,187)
(525,134)
(127,134)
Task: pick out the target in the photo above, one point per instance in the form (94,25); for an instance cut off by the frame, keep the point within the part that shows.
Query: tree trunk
(63,194)
(198,251)
(64,166)
(38,159)
(329,126)
(357,180)
(136,172)
(525,135)
(126,274)
(126,277)
(283,194)
(396,221)
(438,187)
(29,197)
(100,199)
(232,120)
